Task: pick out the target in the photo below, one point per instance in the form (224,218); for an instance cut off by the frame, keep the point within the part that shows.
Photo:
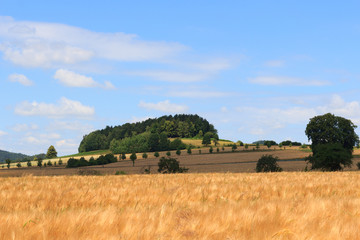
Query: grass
(313,205)
(97,152)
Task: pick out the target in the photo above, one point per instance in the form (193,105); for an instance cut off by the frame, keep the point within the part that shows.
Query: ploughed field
(286,205)
(225,161)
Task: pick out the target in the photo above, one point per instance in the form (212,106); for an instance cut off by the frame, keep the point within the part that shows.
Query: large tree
(51,152)
(331,136)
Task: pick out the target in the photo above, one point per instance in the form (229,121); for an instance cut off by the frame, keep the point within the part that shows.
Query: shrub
(178,152)
(18,165)
(123,156)
(217,150)
(144,156)
(223,148)
(120,173)
(211,150)
(170,165)
(268,163)
(168,153)
(189,150)
(177,144)
(49,163)
(246,146)
(199,151)
(234,147)
(29,163)
(156,154)
(60,162)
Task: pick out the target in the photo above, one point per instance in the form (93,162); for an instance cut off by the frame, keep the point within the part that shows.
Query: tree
(8,161)
(268,144)
(268,163)
(189,150)
(170,165)
(29,163)
(51,152)
(18,165)
(246,146)
(178,152)
(60,162)
(234,147)
(207,139)
(123,156)
(144,156)
(257,145)
(133,158)
(156,154)
(39,161)
(49,163)
(333,139)
(168,153)
(211,150)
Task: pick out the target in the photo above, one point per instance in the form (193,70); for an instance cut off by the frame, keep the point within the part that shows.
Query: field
(287,205)
(225,161)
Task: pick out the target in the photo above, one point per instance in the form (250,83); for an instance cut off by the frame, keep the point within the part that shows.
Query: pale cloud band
(286,81)
(164,106)
(20,78)
(72,79)
(39,44)
(64,108)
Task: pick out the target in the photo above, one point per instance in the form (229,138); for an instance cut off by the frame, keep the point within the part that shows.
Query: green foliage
(177,144)
(240,143)
(168,153)
(257,145)
(199,151)
(8,161)
(223,148)
(233,147)
(60,162)
(82,162)
(18,165)
(178,152)
(39,161)
(156,154)
(358,165)
(133,157)
(123,156)
(246,146)
(88,172)
(28,163)
(289,143)
(207,139)
(51,152)
(217,149)
(138,143)
(49,163)
(170,165)
(173,126)
(330,157)
(333,139)
(211,150)
(144,156)
(189,150)
(268,163)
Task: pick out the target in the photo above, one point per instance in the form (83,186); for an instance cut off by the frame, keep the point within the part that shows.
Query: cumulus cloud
(63,108)
(22,79)
(41,44)
(72,79)
(277,80)
(164,106)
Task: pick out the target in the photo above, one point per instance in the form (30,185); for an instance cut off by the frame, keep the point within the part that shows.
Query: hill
(180,125)
(10,155)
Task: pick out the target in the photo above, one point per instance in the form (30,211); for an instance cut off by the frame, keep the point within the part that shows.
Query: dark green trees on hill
(182,125)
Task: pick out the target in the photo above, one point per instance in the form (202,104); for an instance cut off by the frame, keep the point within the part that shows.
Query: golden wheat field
(298,205)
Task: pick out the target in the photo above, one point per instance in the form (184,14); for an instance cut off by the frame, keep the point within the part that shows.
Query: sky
(255,69)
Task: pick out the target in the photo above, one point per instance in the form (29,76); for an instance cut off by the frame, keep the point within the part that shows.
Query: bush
(234,147)
(189,150)
(49,163)
(358,165)
(170,165)
(168,153)
(123,156)
(18,165)
(268,163)
(156,154)
(60,162)
(120,173)
(144,156)
(133,157)
(29,163)
(177,144)
(211,150)
(178,152)
(217,150)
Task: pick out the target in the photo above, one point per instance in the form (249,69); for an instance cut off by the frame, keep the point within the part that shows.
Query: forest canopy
(180,125)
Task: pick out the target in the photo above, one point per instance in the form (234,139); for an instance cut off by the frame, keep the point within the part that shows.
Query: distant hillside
(181,125)
(12,156)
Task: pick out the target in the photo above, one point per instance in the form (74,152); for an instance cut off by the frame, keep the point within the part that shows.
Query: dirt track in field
(241,161)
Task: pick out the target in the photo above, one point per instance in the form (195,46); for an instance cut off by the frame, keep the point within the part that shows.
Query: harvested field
(296,205)
(290,160)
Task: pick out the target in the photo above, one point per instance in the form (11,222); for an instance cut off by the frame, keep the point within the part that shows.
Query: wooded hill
(180,125)
(12,156)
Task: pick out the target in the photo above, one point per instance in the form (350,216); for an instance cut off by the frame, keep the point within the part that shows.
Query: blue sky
(255,69)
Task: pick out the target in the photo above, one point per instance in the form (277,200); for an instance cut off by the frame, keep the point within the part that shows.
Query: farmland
(287,205)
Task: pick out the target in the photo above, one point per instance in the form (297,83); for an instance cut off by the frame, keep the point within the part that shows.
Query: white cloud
(275,63)
(22,79)
(138,119)
(69,143)
(168,76)
(64,108)
(224,109)
(198,94)
(41,44)
(164,106)
(2,133)
(273,80)
(24,127)
(72,79)
(71,126)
